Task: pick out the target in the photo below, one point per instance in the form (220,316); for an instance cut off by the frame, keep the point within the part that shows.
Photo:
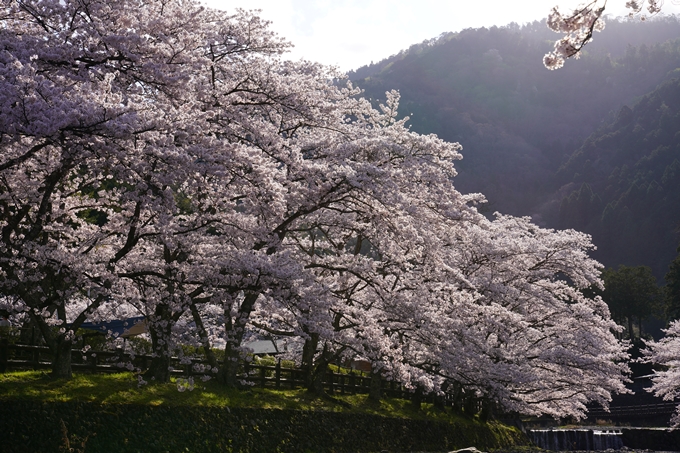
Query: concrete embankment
(600,438)
(659,439)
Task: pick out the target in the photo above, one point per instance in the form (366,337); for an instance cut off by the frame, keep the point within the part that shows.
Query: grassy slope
(120,390)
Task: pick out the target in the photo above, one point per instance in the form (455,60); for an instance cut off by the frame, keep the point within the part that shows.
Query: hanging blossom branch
(578,27)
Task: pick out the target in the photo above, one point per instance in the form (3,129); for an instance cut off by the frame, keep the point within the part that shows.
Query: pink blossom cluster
(666,352)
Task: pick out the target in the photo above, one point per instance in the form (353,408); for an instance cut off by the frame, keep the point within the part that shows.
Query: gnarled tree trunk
(375,390)
(308,352)
(61,362)
(60,346)
(160,326)
(319,372)
(203,335)
(235,329)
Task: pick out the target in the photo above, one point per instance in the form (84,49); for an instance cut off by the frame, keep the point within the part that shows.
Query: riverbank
(606,438)
(47,427)
(538,450)
(93,413)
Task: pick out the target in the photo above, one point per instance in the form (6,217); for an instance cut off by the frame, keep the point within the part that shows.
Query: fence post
(35,357)
(246,369)
(278,374)
(263,376)
(329,377)
(4,354)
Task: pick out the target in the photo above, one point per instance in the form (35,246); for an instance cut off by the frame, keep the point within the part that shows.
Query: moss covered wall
(37,427)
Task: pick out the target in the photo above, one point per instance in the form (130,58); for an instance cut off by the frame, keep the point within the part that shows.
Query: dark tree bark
(487,412)
(640,324)
(203,335)
(61,363)
(160,327)
(235,329)
(308,352)
(631,335)
(457,391)
(60,343)
(60,347)
(417,398)
(320,371)
(470,406)
(375,390)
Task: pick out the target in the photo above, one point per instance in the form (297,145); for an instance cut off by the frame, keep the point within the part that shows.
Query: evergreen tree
(631,294)
(673,288)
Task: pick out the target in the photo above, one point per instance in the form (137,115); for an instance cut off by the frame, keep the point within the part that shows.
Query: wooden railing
(638,410)
(20,356)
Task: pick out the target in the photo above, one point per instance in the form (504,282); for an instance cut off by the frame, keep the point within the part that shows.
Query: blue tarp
(118,327)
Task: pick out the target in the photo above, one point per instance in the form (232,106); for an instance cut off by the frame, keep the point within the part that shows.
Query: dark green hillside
(522,127)
(625,183)
(517,121)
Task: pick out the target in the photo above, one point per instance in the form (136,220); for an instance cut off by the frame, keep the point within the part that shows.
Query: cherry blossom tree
(64,132)
(370,238)
(579,25)
(104,135)
(501,314)
(666,352)
(161,158)
(530,294)
(494,308)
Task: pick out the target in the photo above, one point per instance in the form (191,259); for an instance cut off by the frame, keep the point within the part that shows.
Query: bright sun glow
(352,33)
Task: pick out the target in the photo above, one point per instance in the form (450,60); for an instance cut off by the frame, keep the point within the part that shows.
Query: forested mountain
(523,127)
(625,182)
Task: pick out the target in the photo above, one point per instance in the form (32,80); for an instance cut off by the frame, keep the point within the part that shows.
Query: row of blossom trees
(160,158)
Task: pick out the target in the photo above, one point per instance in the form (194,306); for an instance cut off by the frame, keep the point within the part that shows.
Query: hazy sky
(351,33)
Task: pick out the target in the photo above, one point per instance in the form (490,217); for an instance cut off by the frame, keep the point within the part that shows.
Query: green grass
(121,388)
(99,407)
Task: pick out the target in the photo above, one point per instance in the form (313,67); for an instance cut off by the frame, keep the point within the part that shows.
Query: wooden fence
(20,356)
